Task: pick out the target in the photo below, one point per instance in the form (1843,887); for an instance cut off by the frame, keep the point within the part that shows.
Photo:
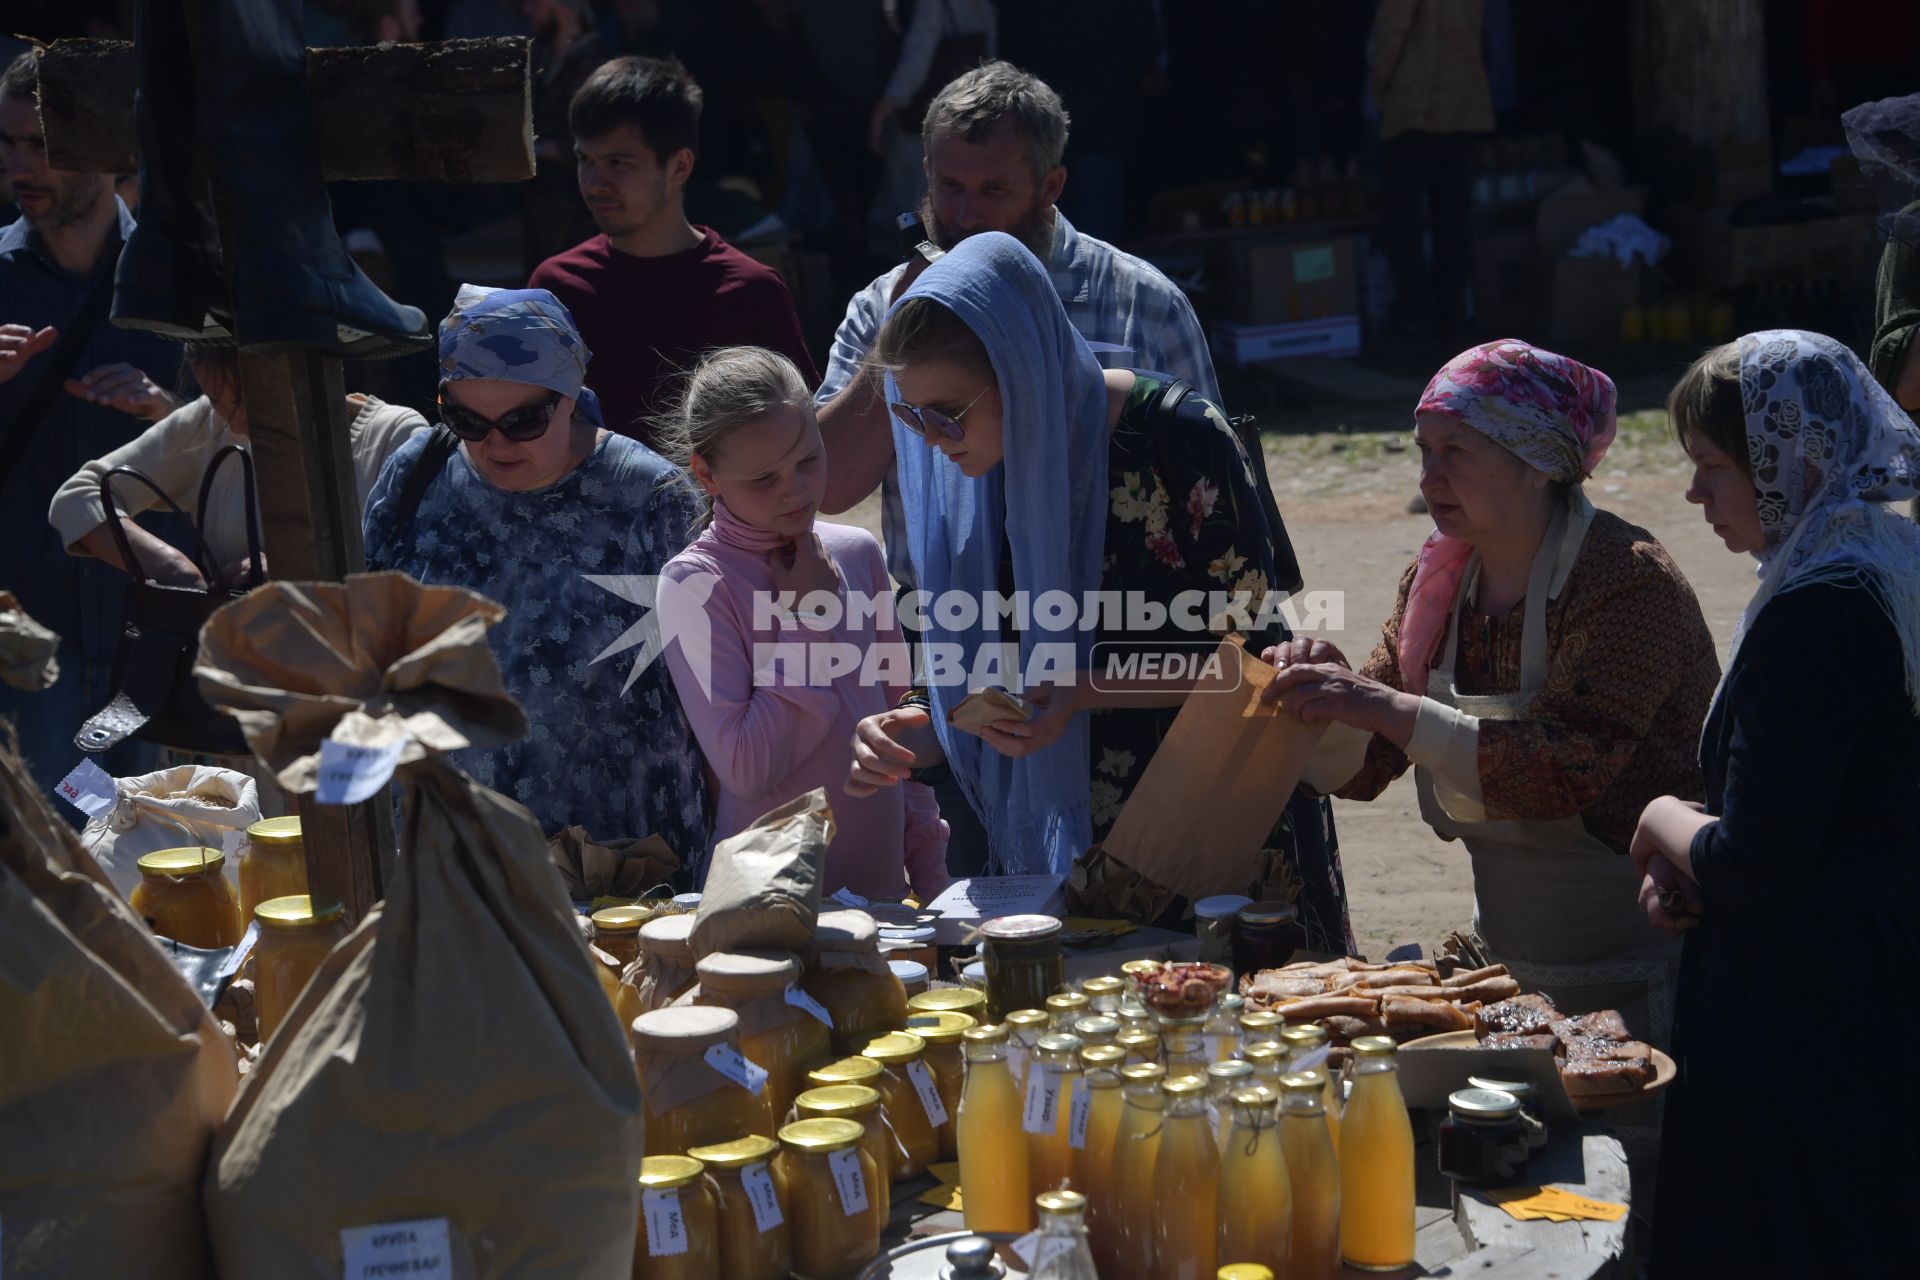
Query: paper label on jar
(758,1184)
(88,788)
(1077,1112)
(849,1180)
(735,1066)
(929,1093)
(799,999)
(421,1250)
(666,1228)
(1042,1112)
(231,965)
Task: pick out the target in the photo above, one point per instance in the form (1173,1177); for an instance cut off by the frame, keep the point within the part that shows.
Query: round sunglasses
(528,422)
(927,423)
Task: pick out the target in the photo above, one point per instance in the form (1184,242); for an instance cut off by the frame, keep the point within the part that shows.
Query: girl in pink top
(775,697)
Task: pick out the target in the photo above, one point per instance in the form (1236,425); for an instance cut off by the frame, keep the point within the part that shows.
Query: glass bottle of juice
(1256,1196)
(1183,1048)
(993,1151)
(942,1032)
(1130,1209)
(1065,1009)
(1047,1112)
(1186,1186)
(1305,1039)
(1062,1252)
(1140,1044)
(1376,1163)
(1257,1025)
(1024,1029)
(1268,1061)
(1313,1176)
(1093,1163)
(1224,1079)
(1103,993)
(1223,1028)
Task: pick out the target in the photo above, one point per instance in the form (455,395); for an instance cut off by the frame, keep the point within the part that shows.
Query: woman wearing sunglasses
(1026,468)
(537,507)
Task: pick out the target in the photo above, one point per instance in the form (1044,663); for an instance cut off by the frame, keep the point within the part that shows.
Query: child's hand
(804,567)
(889,747)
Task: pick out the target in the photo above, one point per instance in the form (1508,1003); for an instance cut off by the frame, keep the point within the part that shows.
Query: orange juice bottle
(1376,1163)
(993,1151)
(1093,1163)
(1024,1029)
(1304,1039)
(1223,1028)
(1313,1175)
(1256,1197)
(1259,1025)
(1065,1009)
(1130,1205)
(1141,1045)
(1054,1083)
(1224,1079)
(1183,1048)
(1269,1063)
(1186,1186)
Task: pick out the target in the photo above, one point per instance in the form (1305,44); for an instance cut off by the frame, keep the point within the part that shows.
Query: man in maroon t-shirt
(653,291)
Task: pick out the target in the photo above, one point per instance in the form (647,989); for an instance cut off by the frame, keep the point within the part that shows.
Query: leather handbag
(156,698)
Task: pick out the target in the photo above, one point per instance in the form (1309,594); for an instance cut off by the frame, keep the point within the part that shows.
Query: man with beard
(653,291)
(60,408)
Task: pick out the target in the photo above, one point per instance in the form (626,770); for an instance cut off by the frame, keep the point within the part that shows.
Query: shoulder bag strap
(441,446)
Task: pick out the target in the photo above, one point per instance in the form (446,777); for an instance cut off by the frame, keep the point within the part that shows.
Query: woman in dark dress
(1789,1138)
(1024,467)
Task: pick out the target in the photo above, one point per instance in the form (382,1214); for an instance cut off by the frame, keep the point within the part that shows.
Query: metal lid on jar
(669,936)
(748,972)
(1375,1046)
(1026,1019)
(1133,968)
(684,1029)
(738,1154)
(910,972)
(1138,1040)
(941,1027)
(845,1071)
(1029,928)
(622,919)
(1060,1204)
(1096,1026)
(1102,1057)
(911,934)
(1306,1035)
(1260,1020)
(275,831)
(1065,1046)
(846,931)
(687,901)
(177,864)
(1262,1051)
(1104,985)
(1270,912)
(1143,1073)
(1221,906)
(295,913)
(991,1033)
(838,1100)
(1303,1082)
(1067,1003)
(664,1173)
(1229,1070)
(950,1000)
(1181,1086)
(824,1134)
(1520,1089)
(1483,1104)
(894,1049)
(1256,1096)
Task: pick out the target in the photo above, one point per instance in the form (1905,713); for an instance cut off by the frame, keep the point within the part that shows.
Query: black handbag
(156,698)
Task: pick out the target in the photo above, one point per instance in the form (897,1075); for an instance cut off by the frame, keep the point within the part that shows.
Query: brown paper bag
(593,868)
(113,1076)
(1199,818)
(987,706)
(455,1062)
(27,649)
(763,885)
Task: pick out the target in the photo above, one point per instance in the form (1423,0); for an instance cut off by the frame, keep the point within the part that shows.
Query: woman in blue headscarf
(1026,469)
(560,520)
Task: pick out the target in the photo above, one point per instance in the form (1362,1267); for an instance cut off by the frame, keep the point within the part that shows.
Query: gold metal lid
(894,1049)
(1243,1271)
(992,1033)
(1259,1020)
(1024,928)
(295,912)
(1303,1082)
(1096,1025)
(1261,1052)
(1142,966)
(944,1027)
(825,1134)
(1026,1019)
(1064,1045)
(838,1100)
(275,831)
(1143,1073)
(1375,1046)
(951,1000)
(845,1071)
(1061,1203)
(622,919)
(664,1173)
(1104,985)
(1104,1057)
(1306,1035)
(1256,1096)
(1231,1069)
(738,1154)
(1180,1086)
(177,864)
(1067,1002)
(1137,1041)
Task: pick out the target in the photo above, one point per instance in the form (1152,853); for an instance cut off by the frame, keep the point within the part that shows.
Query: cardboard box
(1243,344)
(1576,205)
(1288,283)
(1506,281)
(1588,295)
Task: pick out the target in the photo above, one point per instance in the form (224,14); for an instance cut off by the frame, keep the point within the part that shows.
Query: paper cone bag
(452,1084)
(763,884)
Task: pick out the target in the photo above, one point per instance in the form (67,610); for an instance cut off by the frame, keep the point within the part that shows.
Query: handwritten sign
(930,1100)
(1042,1111)
(984,897)
(88,788)
(732,1064)
(758,1184)
(848,1180)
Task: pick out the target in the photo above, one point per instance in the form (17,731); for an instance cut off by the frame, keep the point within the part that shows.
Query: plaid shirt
(1111,297)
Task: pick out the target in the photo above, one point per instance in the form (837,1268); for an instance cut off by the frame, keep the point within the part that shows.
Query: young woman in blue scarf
(1024,467)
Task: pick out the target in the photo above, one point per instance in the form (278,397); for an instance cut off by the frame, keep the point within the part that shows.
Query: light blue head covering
(517,335)
(1050,497)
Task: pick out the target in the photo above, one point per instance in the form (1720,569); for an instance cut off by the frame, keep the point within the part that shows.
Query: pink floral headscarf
(1554,414)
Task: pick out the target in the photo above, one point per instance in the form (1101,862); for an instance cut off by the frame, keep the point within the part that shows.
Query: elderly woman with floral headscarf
(563,522)
(1798,885)
(1545,670)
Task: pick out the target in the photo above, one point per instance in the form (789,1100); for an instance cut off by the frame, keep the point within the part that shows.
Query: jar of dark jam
(1529,1105)
(1266,936)
(1483,1140)
(1024,965)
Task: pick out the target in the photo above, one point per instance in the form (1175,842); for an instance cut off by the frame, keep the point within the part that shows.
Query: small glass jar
(863,1104)
(1024,965)
(1213,924)
(1062,1252)
(690,1103)
(1024,1029)
(272,862)
(677,1199)
(973,975)
(1530,1112)
(1183,1047)
(1265,936)
(913,976)
(1095,1029)
(739,1172)
(1134,1015)
(967,1000)
(946,1059)
(1257,1025)
(1141,1045)
(1065,1009)
(1483,1139)
(1103,994)
(666,970)
(183,894)
(1223,1027)
(849,978)
(616,931)
(830,1180)
(294,939)
(899,1054)
(785,1041)
(911,942)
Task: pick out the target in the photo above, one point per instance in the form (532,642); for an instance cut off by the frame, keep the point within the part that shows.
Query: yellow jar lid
(1061,1203)
(1243,1271)
(1143,1073)
(1308,1035)
(944,1027)
(1132,967)
(664,1173)
(1103,1056)
(845,1071)
(1096,1026)
(1258,1096)
(1303,1082)
(992,1033)
(1260,1019)
(895,1049)
(1060,1046)
(1376,1046)
(737,1154)
(1142,1041)
(1231,1069)
(838,1100)
(1180,1086)
(825,1134)
(1027,1019)
(1105,985)
(1067,1002)
(295,912)
(950,1000)
(621,919)
(275,830)
(180,863)
(1264,1051)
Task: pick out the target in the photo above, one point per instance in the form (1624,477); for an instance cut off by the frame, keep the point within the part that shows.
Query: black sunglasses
(528,422)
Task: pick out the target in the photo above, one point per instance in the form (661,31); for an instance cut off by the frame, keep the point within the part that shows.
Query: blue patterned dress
(619,761)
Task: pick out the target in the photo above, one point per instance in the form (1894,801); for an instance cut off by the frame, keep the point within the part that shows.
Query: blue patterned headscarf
(517,335)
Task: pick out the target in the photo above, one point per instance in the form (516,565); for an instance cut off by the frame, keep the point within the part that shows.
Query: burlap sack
(454,1062)
(113,1076)
(188,804)
(27,649)
(593,868)
(763,884)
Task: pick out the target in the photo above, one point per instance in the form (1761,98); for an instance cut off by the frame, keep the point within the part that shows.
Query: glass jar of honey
(1483,1139)
(864,1105)
(666,969)
(1103,994)
(272,862)
(967,1000)
(912,1098)
(947,1061)
(691,1100)
(1257,1025)
(678,1237)
(1024,965)
(835,1216)
(848,976)
(750,1206)
(784,1041)
(616,931)
(294,939)
(183,894)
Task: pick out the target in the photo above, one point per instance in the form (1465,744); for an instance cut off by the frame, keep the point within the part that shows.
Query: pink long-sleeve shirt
(769,734)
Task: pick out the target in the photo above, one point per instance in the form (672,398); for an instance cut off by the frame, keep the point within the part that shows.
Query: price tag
(764,1199)
(1077,1112)
(848,898)
(929,1093)
(89,788)
(1312,1060)
(801,1000)
(420,1250)
(1042,1112)
(231,965)
(729,1062)
(848,1180)
(351,774)
(666,1229)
